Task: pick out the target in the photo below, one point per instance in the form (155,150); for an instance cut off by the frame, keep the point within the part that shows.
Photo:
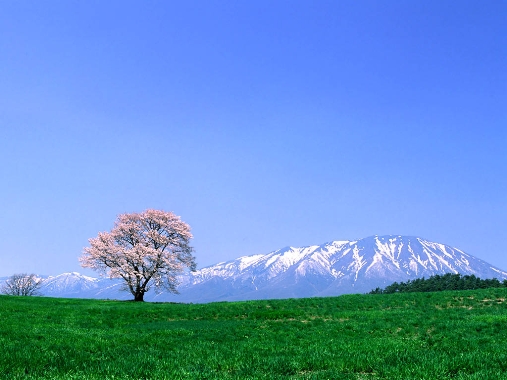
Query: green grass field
(444,335)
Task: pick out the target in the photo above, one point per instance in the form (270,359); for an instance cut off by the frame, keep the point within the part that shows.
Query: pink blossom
(144,249)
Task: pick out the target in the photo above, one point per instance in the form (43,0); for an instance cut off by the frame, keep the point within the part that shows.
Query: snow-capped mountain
(71,285)
(76,285)
(329,269)
(333,268)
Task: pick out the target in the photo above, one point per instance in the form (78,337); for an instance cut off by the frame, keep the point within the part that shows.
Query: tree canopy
(143,249)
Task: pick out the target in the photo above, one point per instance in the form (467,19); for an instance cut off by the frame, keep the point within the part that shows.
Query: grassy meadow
(441,335)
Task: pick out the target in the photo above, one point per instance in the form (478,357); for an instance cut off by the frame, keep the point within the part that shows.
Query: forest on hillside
(448,281)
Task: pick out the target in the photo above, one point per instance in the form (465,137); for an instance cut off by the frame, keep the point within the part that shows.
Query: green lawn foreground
(443,335)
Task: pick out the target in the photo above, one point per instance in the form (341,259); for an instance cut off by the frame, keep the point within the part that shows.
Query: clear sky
(263,124)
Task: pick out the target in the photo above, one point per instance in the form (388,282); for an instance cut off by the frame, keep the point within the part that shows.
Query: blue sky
(262,124)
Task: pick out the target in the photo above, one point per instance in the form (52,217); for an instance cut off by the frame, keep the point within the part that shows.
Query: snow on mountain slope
(67,284)
(329,269)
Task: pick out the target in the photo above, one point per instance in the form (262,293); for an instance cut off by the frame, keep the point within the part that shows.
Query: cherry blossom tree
(22,284)
(143,249)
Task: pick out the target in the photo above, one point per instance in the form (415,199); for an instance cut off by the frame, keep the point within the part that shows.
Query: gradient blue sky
(262,123)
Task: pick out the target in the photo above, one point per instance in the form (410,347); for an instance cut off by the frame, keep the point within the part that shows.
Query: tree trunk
(139,297)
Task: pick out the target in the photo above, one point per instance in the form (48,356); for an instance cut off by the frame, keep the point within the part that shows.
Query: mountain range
(330,269)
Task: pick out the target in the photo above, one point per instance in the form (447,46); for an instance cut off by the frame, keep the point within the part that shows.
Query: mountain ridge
(338,267)
(329,269)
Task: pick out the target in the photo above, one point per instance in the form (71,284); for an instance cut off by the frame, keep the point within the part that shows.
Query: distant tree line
(448,281)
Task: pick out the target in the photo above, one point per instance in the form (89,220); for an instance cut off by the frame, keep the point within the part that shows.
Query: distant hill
(330,269)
